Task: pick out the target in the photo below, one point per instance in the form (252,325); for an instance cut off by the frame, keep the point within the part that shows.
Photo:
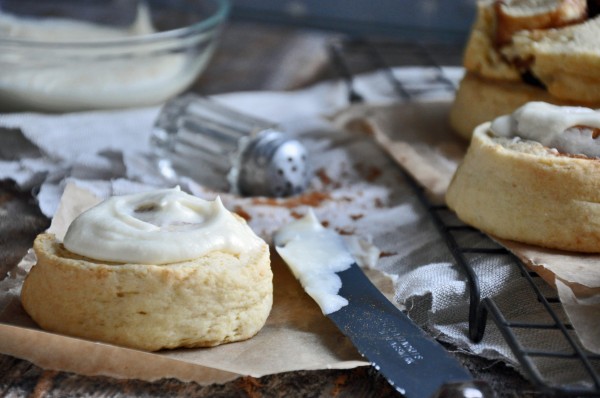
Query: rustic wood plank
(22,379)
(20,221)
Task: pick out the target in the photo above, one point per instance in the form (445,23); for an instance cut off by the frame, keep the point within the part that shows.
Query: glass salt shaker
(196,137)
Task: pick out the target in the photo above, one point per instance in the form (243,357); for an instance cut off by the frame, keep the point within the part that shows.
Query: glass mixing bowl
(71,55)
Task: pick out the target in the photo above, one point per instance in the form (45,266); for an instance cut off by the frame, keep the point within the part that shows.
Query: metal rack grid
(379,56)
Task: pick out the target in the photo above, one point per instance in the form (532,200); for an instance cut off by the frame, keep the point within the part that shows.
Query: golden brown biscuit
(523,191)
(479,100)
(217,298)
(528,50)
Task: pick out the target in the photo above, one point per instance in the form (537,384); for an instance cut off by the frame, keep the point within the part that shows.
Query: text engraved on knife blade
(407,352)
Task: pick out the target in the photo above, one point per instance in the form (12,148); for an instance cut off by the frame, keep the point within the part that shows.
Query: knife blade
(413,362)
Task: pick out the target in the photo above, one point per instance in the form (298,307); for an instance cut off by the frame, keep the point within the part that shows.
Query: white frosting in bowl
(158,227)
(568,129)
(62,64)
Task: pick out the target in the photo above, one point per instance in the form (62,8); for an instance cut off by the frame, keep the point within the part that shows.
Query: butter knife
(413,363)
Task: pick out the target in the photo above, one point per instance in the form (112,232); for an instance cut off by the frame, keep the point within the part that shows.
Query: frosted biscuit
(222,293)
(546,194)
(528,50)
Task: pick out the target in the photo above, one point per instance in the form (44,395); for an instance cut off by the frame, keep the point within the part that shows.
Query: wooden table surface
(250,57)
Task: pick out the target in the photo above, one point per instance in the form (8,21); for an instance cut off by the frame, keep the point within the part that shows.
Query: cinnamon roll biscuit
(211,282)
(532,177)
(528,50)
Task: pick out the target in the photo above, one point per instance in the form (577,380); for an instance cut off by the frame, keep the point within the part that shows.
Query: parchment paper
(296,336)
(577,280)
(349,195)
(357,190)
(418,137)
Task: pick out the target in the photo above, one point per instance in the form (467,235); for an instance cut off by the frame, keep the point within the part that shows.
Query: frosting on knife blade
(314,254)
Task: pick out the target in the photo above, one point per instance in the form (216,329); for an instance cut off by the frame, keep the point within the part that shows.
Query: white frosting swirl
(569,129)
(158,227)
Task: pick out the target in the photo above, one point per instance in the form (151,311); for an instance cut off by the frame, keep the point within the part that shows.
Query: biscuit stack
(528,50)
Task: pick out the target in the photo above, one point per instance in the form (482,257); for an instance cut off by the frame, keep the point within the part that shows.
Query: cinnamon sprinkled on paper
(370,173)
(313,199)
(322,174)
(242,213)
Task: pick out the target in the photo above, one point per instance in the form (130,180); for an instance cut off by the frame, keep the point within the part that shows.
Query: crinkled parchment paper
(418,137)
(296,335)
(348,193)
(577,280)
(355,190)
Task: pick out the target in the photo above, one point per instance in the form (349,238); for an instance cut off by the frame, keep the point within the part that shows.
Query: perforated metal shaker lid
(272,164)
(199,138)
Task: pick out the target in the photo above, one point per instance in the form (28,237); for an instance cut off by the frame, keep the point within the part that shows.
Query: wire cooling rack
(352,56)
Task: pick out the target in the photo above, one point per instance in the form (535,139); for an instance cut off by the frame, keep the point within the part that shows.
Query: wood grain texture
(20,222)
(22,379)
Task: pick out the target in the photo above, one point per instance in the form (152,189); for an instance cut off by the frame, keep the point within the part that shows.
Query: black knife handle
(469,389)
